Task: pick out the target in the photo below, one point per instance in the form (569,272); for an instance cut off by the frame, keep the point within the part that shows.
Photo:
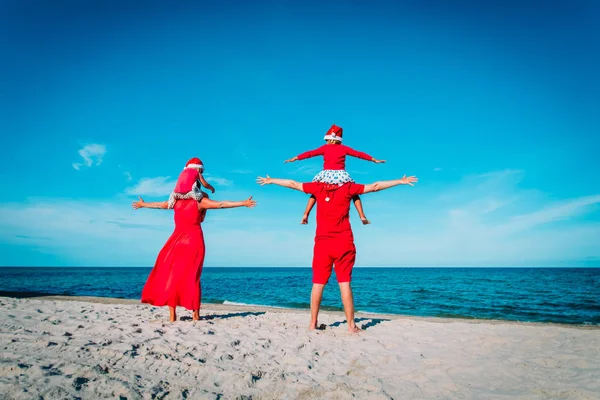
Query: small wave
(373,313)
(306,306)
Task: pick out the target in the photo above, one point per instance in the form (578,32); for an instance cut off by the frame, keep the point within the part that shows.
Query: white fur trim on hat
(195,166)
(333,137)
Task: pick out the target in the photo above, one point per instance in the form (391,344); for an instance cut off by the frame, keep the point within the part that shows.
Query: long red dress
(175,278)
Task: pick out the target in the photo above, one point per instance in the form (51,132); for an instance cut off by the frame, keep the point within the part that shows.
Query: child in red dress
(334,167)
(188,183)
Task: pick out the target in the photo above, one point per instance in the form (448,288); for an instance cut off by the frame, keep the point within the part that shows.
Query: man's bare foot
(316,326)
(365,221)
(354,329)
(304,220)
(196,316)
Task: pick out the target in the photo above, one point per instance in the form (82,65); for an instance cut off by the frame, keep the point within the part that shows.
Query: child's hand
(291,160)
(378,161)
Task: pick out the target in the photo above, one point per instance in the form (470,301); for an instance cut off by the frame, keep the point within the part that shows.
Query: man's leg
(315,304)
(348,301)
(345,253)
(321,268)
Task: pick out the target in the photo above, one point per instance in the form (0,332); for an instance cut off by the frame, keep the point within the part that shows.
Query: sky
(492,105)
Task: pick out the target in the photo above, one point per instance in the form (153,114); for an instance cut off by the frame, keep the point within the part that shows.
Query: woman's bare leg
(172,314)
(196,315)
(359,208)
(311,203)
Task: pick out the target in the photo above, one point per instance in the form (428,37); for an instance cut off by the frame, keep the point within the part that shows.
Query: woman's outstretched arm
(163,205)
(208,204)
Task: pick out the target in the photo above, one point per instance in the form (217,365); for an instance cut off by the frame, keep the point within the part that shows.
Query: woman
(175,278)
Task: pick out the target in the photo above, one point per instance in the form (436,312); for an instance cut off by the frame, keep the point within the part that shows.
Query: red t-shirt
(334,155)
(333,220)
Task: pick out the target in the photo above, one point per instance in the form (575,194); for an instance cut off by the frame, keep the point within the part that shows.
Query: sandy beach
(88,348)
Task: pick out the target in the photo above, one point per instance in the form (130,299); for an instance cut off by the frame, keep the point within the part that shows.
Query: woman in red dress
(175,278)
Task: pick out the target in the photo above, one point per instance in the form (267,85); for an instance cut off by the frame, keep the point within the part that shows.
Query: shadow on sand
(372,322)
(224,316)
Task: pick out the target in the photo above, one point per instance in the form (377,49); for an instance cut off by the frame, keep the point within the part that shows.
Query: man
(334,241)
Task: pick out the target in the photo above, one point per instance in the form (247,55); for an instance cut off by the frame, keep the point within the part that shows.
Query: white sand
(59,349)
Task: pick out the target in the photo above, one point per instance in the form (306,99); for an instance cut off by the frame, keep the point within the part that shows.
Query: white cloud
(164,185)
(128,176)
(159,186)
(111,233)
(307,169)
(216,180)
(92,154)
(481,220)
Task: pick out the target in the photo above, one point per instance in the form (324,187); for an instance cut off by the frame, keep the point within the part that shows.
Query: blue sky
(494,107)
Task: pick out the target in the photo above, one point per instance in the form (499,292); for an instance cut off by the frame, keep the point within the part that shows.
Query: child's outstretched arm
(364,156)
(308,154)
(205,184)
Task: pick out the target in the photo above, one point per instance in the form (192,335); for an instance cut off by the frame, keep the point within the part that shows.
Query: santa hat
(334,133)
(194,163)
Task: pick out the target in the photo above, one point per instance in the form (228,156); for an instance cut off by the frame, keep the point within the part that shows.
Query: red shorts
(328,253)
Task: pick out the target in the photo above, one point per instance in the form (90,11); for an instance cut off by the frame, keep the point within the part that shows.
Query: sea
(557,295)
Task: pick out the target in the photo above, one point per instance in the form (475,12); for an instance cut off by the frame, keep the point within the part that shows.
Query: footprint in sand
(101,370)
(49,370)
(80,382)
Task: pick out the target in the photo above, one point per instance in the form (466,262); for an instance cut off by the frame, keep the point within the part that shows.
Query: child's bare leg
(311,203)
(359,208)
(172,314)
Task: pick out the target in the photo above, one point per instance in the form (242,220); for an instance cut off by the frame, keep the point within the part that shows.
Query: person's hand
(138,204)
(264,181)
(378,161)
(409,180)
(291,160)
(249,203)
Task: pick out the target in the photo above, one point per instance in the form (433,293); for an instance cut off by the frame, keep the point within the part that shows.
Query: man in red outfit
(334,241)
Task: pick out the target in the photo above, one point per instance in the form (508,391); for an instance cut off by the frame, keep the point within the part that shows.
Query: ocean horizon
(567,295)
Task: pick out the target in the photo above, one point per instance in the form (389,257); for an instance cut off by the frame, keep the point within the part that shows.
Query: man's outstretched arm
(288,183)
(381,185)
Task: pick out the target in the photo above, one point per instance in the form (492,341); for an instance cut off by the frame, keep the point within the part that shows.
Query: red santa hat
(194,163)
(334,133)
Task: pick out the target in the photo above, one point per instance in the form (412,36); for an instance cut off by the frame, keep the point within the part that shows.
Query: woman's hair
(331,141)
